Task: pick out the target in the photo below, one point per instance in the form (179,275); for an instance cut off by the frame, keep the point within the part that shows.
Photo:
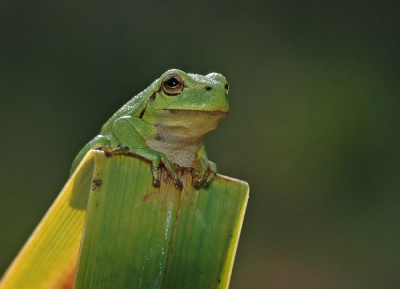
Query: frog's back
(133,107)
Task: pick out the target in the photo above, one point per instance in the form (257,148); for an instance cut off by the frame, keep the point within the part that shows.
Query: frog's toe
(205,175)
(201,183)
(198,176)
(198,183)
(205,185)
(178,184)
(156,183)
(177,181)
(155,175)
(155,158)
(208,179)
(122,150)
(107,150)
(171,171)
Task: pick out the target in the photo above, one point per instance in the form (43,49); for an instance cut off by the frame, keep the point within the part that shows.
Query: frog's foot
(205,175)
(122,150)
(157,158)
(109,151)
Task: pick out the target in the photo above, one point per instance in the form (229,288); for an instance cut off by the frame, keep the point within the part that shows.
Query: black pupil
(172,82)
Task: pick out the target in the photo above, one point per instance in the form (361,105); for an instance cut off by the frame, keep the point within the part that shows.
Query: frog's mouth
(190,122)
(188,111)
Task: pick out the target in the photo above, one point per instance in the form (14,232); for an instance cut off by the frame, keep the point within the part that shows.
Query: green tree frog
(166,123)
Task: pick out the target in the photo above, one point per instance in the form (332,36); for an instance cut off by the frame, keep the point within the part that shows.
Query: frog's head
(188,104)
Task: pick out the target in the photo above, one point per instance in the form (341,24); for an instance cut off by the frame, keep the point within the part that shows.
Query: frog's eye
(172,84)
(227,88)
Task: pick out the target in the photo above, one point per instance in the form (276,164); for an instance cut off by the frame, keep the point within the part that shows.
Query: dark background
(314,122)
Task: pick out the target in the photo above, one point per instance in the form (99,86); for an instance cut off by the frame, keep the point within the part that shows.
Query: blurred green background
(314,122)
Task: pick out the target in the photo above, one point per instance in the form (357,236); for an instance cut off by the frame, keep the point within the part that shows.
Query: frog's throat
(179,149)
(193,123)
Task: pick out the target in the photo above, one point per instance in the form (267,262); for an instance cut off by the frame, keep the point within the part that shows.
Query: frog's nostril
(208,88)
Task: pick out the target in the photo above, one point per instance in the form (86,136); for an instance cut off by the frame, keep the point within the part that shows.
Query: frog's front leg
(207,171)
(130,131)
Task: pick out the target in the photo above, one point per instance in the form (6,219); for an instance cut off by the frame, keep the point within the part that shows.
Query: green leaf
(135,235)
(138,236)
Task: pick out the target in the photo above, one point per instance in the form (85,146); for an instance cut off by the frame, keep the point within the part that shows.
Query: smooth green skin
(168,129)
